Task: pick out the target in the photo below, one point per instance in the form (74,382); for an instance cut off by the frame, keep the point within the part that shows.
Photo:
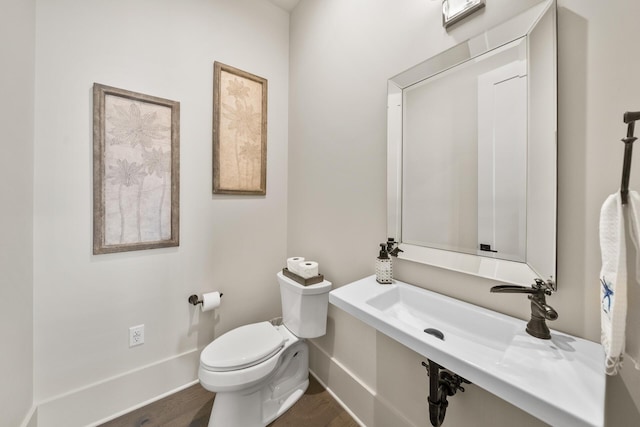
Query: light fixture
(455,10)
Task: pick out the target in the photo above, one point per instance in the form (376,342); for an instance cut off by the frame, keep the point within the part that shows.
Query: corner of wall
(31,420)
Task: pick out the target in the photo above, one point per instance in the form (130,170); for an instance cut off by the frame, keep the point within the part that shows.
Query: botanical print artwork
(241,129)
(137,171)
(239,132)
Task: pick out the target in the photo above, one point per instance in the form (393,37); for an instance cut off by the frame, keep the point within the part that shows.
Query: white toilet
(258,371)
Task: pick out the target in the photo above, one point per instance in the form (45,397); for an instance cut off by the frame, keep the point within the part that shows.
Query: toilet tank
(304,308)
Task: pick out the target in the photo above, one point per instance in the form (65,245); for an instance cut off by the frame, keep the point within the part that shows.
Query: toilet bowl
(260,370)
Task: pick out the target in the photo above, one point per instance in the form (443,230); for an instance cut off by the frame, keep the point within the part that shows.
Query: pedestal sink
(561,381)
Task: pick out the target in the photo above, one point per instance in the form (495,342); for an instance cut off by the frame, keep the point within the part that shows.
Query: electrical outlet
(136,335)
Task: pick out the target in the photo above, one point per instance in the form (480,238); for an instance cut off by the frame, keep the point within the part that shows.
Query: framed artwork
(455,10)
(239,132)
(136,171)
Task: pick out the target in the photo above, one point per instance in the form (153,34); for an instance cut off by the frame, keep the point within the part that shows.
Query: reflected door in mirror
(464,157)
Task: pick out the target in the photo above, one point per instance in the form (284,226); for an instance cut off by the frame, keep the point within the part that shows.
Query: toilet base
(263,403)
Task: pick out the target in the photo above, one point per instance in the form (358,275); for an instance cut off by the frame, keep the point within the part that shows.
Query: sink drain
(436,333)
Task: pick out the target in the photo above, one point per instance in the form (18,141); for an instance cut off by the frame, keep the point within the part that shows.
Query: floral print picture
(135,171)
(240,131)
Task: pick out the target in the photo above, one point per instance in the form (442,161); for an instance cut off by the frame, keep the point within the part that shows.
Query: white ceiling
(285,4)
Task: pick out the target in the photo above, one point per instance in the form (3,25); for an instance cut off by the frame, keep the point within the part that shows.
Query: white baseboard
(361,401)
(337,399)
(108,399)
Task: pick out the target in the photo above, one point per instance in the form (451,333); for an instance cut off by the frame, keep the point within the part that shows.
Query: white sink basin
(560,381)
(464,323)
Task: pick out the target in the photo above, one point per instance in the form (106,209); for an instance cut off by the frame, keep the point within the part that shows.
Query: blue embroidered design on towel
(608,293)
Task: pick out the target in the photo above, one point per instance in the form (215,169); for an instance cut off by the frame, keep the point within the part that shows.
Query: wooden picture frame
(136,168)
(456,10)
(239,132)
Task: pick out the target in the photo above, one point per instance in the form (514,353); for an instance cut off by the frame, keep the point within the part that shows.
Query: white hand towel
(613,282)
(632,345)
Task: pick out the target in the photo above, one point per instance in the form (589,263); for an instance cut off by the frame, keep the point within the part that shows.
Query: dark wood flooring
(191,408)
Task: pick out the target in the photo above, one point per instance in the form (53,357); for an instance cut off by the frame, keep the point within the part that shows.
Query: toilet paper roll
(292,263)
(210,301)
(307,269)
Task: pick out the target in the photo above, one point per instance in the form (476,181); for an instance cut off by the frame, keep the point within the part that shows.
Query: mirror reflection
(471,118)
(472,152)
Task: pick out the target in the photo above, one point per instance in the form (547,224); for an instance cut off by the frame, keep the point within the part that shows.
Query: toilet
(260,370)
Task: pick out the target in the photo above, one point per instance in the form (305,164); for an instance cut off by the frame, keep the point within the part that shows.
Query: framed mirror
(472,153)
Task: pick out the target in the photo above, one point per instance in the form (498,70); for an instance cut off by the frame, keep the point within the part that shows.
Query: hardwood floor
(191,408)
(316,408)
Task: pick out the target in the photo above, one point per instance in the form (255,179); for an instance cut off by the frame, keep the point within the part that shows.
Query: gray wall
(84,304)
(342,53)
(17,30)
(64,314)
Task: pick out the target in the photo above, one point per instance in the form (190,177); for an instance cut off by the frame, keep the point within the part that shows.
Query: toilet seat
(242,347)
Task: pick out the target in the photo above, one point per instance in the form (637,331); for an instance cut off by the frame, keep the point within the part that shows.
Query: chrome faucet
(540,311)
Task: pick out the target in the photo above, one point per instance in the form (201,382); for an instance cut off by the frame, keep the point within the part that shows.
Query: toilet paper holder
(193,299)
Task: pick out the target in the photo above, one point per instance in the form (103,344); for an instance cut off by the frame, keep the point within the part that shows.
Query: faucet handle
(547,286)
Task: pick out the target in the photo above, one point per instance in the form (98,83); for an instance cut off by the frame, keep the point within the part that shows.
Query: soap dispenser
(384,272)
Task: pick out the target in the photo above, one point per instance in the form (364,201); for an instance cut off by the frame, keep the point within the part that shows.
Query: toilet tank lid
(242,347)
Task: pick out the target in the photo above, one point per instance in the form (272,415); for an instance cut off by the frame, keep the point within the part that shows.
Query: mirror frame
(541,205)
